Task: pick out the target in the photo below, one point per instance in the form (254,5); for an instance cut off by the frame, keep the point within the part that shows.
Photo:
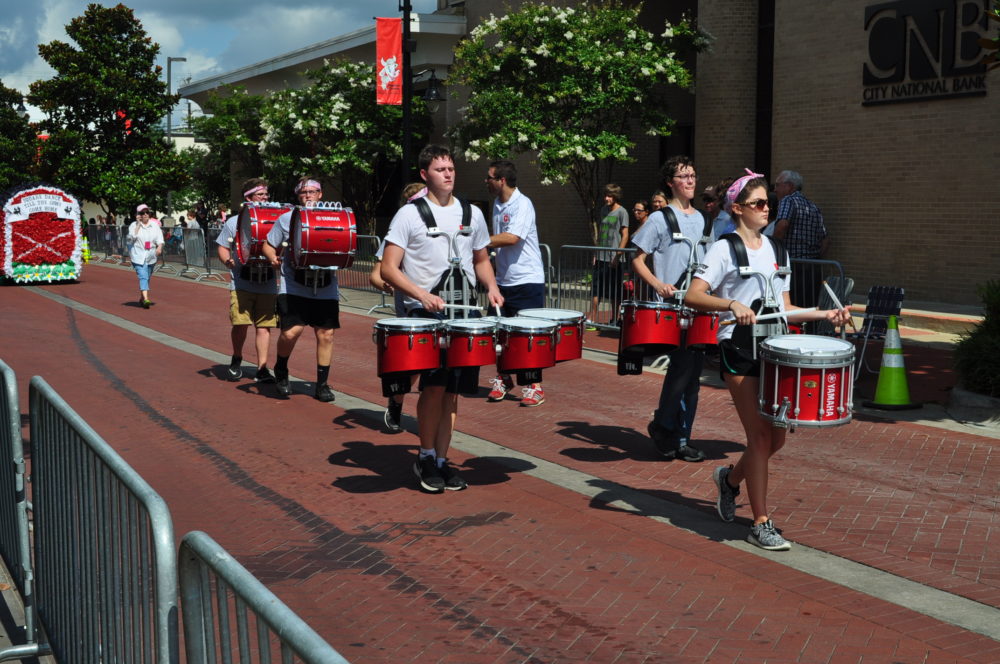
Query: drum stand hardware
(454,265)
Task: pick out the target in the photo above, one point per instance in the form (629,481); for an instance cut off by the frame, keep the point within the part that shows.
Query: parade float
(41,237)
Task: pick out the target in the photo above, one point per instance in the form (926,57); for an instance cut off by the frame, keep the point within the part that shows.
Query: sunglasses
(759,204)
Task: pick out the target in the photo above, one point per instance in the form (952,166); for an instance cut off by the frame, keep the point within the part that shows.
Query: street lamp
(170,113)
(432,95)
(21,110)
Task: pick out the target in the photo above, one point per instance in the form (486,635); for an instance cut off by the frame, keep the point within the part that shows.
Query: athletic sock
(322,374)
(441,461)
(427,453)
(281,366)
(236,361)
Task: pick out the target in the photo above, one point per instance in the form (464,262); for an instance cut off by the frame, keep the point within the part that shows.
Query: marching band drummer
(746,201)
(416,262)
(300,303)
(251,302)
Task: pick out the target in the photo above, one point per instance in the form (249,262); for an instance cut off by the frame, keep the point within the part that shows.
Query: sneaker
(726,502)
(501,385)
(426,469)
(324,393)
(263,376)
(766,537)
(691,454)
(591,326)
(532,396)
(393,415)
(282,385)
(234,372)
(664,441)
(145,304)
(452,480)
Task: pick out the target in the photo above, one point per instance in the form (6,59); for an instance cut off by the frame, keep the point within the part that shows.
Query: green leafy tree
(103,110)
(571,85)
(17,140)
(992,45)
(231,131)
(333,128)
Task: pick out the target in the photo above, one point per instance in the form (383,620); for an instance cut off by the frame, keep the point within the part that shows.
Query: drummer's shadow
(691,514)
(391,468)
(615,443)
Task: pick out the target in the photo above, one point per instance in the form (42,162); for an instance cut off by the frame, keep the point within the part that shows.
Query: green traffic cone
(891,391)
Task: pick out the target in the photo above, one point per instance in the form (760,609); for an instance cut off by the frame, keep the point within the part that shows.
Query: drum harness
(684,281)
(752,335)
(456,299)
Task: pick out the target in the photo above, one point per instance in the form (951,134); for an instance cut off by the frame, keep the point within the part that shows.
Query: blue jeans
(144,272)
(679,395)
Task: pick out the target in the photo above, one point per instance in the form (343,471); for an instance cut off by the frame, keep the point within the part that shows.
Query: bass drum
(323,236)
(252,226)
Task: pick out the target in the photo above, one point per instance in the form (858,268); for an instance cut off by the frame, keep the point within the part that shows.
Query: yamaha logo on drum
(830,400)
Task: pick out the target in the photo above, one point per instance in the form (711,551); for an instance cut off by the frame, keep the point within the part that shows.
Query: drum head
(666,306)
(407,324)
(808,346)
(519,324)
(472,325)
(561,315)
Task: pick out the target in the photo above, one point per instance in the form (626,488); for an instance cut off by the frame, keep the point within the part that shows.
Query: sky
(214,35)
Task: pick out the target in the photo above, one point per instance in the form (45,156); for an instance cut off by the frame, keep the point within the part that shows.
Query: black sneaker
(664,441)
(234,372)
(452,480)
(426,469)
(324,393)
(393,415)
(263,376)
(282,385)
(688,453)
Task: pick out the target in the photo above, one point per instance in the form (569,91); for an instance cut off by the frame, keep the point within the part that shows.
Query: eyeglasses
(759,204)
(309,191)
(687,176)
(638,210)
(491,177)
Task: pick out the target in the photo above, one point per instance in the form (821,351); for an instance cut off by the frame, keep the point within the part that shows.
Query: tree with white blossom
(570,85)
(334,128)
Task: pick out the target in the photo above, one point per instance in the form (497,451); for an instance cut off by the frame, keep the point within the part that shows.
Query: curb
(972,407)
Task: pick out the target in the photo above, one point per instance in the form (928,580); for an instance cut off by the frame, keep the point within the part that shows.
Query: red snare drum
(252,226)
(407,344)
(569,335)
(525,343)
(471,342)
(323,236)
(650,328)
(806,380)
(702,330)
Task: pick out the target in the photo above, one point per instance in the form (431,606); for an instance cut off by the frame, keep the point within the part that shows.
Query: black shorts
(737,361)
(522,296)
(455,381)
(295,310)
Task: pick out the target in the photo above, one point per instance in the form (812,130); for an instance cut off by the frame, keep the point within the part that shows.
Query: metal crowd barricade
(230,616)
(808,275)
(15,542)
(356,276)
(104,545)
(575,282)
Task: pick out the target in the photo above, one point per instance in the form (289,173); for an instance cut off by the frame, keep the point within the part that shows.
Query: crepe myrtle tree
(570,85)
(334,129)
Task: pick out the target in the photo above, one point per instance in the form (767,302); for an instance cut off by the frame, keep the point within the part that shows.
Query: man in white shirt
(416,263)
(520,274)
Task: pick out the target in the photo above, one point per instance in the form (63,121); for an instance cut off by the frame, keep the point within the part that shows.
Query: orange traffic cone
(891,391)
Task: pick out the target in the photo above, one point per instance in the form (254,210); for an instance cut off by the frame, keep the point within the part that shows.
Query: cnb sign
(924,49)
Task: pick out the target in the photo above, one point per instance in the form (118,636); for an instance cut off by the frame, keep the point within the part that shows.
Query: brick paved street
(574,542)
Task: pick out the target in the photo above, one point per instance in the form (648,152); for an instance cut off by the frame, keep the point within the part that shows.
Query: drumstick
(780,314)
(836,302)
(462,306)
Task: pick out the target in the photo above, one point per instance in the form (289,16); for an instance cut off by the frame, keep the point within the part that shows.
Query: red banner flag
(389,61)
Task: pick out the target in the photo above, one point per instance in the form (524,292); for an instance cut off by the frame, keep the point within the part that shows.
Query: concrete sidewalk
(574,543)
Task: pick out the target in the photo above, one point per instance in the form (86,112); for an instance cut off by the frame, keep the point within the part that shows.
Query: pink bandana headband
(255,190)
(735,188)
(307,183)
(419,194)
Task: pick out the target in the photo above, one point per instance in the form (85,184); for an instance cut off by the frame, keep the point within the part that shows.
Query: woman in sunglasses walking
(739,296)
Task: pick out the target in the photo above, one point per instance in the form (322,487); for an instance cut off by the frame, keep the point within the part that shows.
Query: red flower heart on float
(42,238)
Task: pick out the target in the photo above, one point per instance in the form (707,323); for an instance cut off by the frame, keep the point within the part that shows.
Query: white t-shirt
(143,241)
(425,258)
(721,273)
(521,262)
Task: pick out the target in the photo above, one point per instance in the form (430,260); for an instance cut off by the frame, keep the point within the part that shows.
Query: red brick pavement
(321,505)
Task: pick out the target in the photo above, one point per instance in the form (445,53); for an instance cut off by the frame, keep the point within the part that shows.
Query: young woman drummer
(746,201)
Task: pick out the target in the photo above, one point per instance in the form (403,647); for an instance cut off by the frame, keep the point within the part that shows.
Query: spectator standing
(658,200)
(612,232)
(800,225)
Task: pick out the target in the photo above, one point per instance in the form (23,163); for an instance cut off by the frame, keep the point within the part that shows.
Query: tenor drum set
(535,339)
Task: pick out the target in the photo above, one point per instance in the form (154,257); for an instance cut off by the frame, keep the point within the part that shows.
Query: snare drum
(471,342)
(407,344)
(323,236)
(569,333)
(650,328)
(702,330)
(252,226)
(806,380)
(525,343)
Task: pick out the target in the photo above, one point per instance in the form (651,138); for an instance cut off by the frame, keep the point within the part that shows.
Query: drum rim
(845,350)
(575,317)
(466,324)
(649,304)
(517,324)
(407,324)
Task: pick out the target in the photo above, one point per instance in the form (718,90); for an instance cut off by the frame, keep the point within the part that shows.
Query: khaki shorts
(257,309)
